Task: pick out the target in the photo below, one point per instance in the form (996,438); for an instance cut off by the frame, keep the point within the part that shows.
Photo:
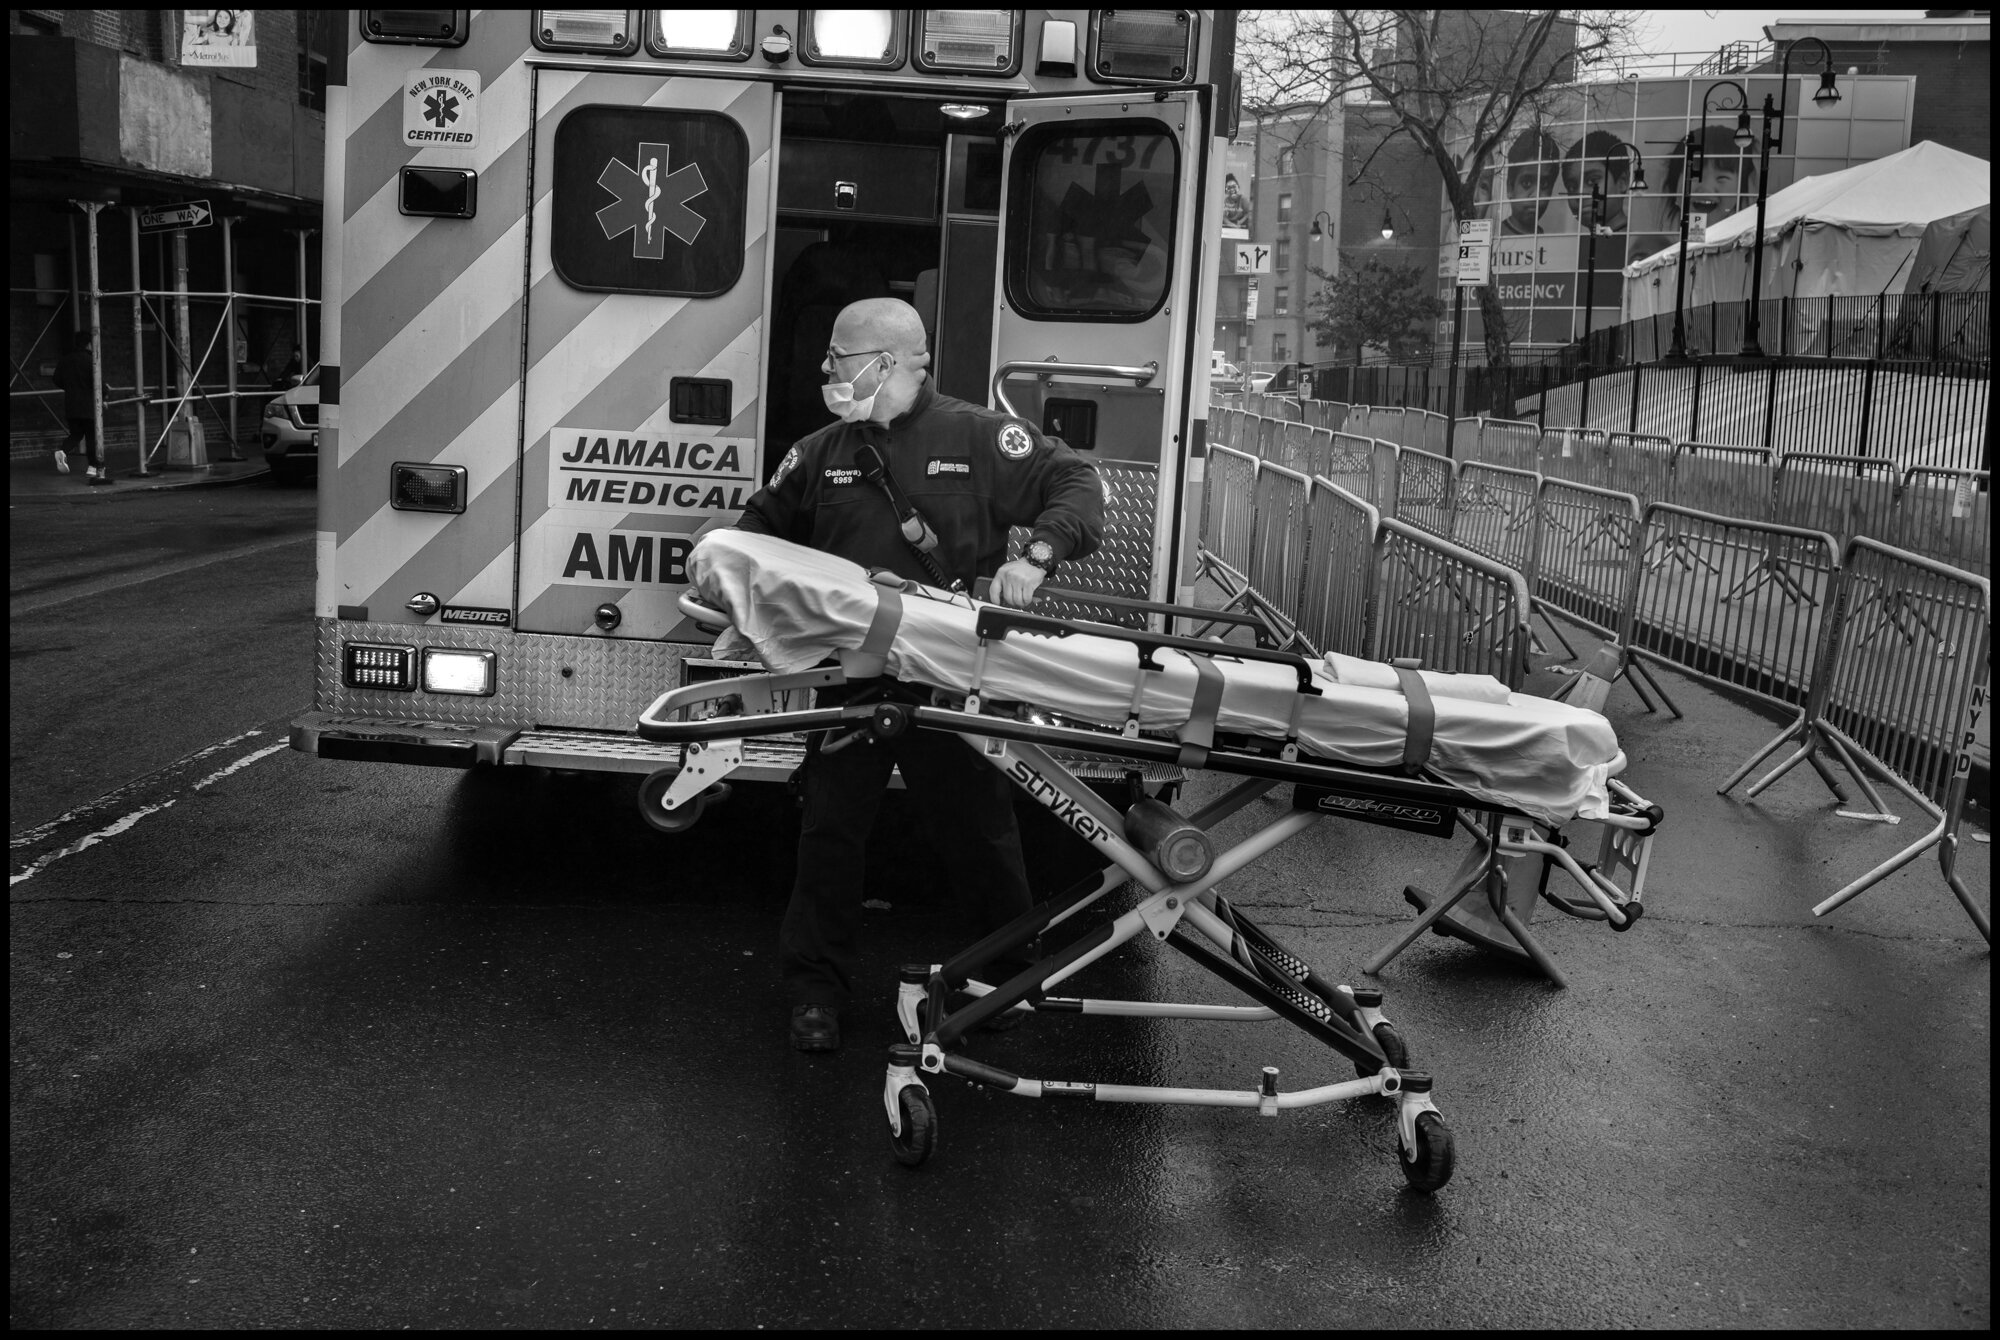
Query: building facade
(1288,213)
(218,112)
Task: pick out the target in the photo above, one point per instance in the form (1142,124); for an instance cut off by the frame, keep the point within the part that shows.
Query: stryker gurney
(1019,687)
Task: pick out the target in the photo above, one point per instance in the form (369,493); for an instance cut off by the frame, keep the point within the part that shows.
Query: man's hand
(1015,583)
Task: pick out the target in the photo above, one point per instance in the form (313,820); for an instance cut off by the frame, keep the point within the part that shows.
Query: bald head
(880,326)
(880,323)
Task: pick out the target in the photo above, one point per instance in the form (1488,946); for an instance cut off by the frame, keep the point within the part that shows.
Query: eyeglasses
(835,356)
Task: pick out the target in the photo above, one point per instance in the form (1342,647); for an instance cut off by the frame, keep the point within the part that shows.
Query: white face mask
(841,400)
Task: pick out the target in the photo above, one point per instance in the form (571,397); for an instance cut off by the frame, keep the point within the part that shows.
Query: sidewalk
(36,479)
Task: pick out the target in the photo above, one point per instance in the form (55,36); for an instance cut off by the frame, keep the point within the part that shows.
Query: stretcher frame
(1191,915)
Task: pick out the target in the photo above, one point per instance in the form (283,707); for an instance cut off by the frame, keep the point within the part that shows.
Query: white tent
(1857,231)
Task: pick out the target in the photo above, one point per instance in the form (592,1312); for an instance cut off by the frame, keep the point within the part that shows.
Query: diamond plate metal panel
(591,683)
(1123,563)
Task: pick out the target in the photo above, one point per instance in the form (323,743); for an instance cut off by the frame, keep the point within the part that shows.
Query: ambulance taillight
(368,665)
(969,41)
(610,32)
(417,27)
(1142,45)
(426,488)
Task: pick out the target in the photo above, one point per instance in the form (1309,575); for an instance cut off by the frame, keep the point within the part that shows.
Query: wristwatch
(1042,554)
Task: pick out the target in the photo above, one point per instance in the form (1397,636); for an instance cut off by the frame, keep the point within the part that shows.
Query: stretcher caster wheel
(919,1136)
(1430,1167)
(1391,1043)
(654,789)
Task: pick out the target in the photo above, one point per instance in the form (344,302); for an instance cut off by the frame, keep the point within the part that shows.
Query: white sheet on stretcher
(794,607)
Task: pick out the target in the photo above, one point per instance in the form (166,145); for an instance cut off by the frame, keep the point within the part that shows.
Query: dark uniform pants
(963,802)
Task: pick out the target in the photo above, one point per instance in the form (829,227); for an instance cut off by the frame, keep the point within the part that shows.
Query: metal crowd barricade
(1423,490)
(1947,515)
(1294,447)
(1844,496)
(1587,564)
(1691,616)
(1580,455)
(1452,609)
(1278,551)
(1494,513)
(1729,481)
(1360,419)
(1640,464)
(1224,425)
(1351,462)
(1336,604)
(1270,438)
(1437,432)
(1511,443)
(1904,678)
(1228,522)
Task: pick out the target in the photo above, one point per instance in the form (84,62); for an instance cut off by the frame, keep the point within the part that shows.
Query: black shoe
(815,1028)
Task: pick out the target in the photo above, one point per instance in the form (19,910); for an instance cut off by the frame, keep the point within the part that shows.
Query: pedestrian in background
(78,383)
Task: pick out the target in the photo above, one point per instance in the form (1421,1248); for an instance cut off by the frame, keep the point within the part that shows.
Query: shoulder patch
(784,468)
(1015,441)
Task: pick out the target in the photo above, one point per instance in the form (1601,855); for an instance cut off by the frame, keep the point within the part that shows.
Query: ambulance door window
(1091,226)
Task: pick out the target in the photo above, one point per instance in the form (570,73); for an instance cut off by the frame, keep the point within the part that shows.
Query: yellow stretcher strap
(1198,735)
(1423,715)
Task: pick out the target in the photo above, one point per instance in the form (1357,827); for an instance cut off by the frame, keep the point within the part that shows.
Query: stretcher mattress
(794,607)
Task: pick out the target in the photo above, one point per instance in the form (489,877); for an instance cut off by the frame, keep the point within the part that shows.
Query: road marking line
(33,605)
(90,840)
(111,798)
(243,762)
(125,822)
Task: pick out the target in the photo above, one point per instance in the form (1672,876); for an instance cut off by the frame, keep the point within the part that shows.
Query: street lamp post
(1774,131)
(1694,161)
(1599,202)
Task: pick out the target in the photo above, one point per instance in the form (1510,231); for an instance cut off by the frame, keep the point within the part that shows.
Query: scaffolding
(181,431)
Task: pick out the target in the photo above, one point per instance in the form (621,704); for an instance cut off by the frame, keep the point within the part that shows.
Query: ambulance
(581,267)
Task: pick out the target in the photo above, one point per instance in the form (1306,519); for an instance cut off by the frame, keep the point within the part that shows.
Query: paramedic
(971,472)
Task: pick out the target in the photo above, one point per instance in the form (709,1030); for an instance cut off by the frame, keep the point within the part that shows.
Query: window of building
(313,38)
(1287,159)
(1281,299)
(1281,348)
(1285,207)
(1281,255)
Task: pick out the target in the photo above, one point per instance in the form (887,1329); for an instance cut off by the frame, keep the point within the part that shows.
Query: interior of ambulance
(883,195)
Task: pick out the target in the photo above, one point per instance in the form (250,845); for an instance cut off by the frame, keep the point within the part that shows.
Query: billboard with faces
(1540,188)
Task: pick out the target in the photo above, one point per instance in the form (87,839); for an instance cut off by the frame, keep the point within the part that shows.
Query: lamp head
(1388,225)
(1744,139)
(1826,94)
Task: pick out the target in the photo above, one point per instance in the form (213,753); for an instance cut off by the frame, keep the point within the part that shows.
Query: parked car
(1258,381)
(291,431)
(1226,379)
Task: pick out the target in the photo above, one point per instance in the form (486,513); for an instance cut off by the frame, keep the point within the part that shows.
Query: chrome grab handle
(1137,376)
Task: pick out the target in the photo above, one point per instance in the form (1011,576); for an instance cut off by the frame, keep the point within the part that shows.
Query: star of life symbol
(652,202)
(440,109)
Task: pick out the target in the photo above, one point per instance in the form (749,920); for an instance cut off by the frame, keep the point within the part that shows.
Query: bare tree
(1456,83)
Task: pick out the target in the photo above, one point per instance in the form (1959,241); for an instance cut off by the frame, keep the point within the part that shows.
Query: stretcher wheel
(1431,1168)
(1391,1043)
(654,789)
(919,1138)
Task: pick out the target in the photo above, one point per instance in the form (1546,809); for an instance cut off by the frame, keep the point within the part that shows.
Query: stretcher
(1034,695)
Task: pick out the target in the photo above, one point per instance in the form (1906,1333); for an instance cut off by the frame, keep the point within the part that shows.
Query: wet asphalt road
(327,1044)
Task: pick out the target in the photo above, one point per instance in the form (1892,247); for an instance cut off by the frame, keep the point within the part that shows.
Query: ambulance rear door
(649,280)
(1097,293)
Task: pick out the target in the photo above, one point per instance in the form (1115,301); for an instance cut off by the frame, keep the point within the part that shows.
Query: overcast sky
(1708,29)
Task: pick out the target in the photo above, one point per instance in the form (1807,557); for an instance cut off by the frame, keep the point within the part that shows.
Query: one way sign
(173,218)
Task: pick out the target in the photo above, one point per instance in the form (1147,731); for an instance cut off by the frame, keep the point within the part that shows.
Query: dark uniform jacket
(73,378)
(971,471)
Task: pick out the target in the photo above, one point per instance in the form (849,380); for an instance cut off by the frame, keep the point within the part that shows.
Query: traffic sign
(173,218)
(1475,252)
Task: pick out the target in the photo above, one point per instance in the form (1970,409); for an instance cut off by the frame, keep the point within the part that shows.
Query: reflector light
(426,488)
(700,34)
(417,27)
(372,666)
(858,37)
(602,30)
(469,672)
(975,41)
(1146,45)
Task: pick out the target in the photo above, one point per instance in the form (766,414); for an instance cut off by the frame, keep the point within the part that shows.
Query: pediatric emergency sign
(669,473)
(441,107)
